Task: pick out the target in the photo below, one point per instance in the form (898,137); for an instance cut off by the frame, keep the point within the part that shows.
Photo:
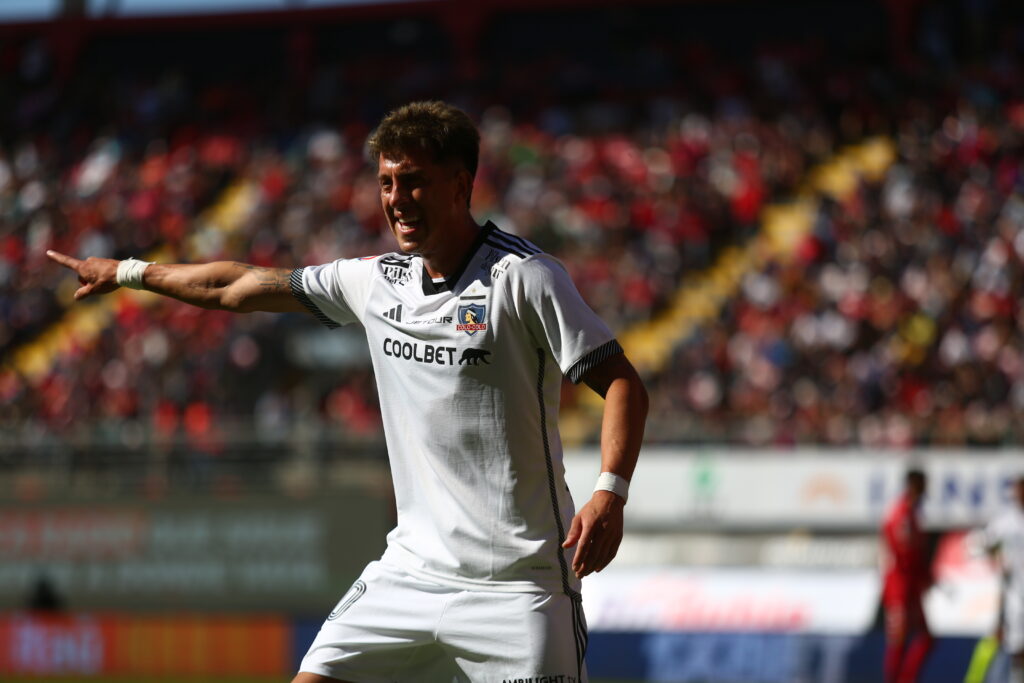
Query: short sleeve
(557,317)
(335,293)
(979,542)
(992,535)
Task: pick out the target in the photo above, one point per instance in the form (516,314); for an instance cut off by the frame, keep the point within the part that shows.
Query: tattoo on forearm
(269,279)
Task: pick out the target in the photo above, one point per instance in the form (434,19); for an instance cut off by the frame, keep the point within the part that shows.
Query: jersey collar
(430,287)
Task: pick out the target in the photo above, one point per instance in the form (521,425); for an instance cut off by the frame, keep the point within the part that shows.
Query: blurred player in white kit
(471,330)
(1003,538)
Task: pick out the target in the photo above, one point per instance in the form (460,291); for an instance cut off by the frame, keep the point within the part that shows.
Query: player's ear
(463,186)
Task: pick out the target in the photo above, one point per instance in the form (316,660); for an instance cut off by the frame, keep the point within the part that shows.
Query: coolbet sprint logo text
(556,678)
(436,355)
(421,353)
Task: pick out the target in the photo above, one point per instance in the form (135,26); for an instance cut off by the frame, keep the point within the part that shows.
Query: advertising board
(123,645)
(251,554)
(747,625)
(731,600)
(689,657)
(963,602)
(801,488)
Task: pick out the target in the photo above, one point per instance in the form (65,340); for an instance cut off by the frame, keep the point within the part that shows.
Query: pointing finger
(64,259)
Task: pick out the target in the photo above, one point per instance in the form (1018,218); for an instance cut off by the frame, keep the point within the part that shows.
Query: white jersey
(1005,533)
(469,372)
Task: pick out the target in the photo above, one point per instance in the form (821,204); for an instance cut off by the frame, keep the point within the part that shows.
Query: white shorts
(1013,624)
(391,626)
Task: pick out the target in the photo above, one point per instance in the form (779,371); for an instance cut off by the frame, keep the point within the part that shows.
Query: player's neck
(443,262)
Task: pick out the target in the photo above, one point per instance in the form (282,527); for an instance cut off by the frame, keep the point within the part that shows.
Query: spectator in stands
(893,325)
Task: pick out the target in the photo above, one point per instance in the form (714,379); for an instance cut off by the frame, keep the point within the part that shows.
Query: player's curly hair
(442,130)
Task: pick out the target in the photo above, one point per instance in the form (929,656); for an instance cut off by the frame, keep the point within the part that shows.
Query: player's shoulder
(1009,520)
(998,525)
(519,257)
(393,258)
(508,247)
(393,267)
(372,261)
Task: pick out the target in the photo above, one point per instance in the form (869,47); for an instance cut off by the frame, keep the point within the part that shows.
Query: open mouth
(407,225)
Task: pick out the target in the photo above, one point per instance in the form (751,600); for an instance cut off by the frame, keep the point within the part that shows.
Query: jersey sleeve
(992,534)
(979,542)
(557,317)
(335,293)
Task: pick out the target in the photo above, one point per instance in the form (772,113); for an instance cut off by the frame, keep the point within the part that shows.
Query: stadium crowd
(629,206)
(896,324)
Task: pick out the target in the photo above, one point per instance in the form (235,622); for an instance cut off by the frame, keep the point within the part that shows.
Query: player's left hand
(596,531)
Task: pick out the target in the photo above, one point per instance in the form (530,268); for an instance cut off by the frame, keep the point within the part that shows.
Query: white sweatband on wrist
(607,481)
(129,272)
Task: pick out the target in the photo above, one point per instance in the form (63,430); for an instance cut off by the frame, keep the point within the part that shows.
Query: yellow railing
(701,296)
(82,323)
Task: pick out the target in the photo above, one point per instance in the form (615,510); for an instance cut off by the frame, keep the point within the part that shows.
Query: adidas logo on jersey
(396,315)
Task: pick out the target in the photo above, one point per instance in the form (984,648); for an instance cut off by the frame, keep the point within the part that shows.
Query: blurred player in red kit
(907,576)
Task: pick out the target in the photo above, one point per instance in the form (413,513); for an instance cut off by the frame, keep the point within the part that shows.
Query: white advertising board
(803,488)
(757,600)
(733,600)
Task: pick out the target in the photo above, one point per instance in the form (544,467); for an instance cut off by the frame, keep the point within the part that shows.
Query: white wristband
(607,481)
(129,272)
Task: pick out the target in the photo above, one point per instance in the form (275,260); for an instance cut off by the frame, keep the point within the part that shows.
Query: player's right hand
(97,275)
(596,531)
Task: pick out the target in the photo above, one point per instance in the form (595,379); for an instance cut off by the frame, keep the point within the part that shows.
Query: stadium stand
(874,329)
(804,220)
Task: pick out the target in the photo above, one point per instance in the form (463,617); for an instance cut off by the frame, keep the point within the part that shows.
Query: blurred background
(804,220)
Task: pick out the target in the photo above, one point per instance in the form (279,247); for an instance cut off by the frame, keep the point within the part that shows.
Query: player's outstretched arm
(597,528)
(223,285)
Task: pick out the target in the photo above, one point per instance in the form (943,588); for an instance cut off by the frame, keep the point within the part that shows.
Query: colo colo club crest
(471,319)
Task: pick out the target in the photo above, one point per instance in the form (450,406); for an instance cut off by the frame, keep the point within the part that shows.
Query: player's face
(420,199)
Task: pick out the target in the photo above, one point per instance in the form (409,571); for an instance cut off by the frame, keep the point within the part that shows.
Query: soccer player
(1003,538)
(471,330)
(907,576)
